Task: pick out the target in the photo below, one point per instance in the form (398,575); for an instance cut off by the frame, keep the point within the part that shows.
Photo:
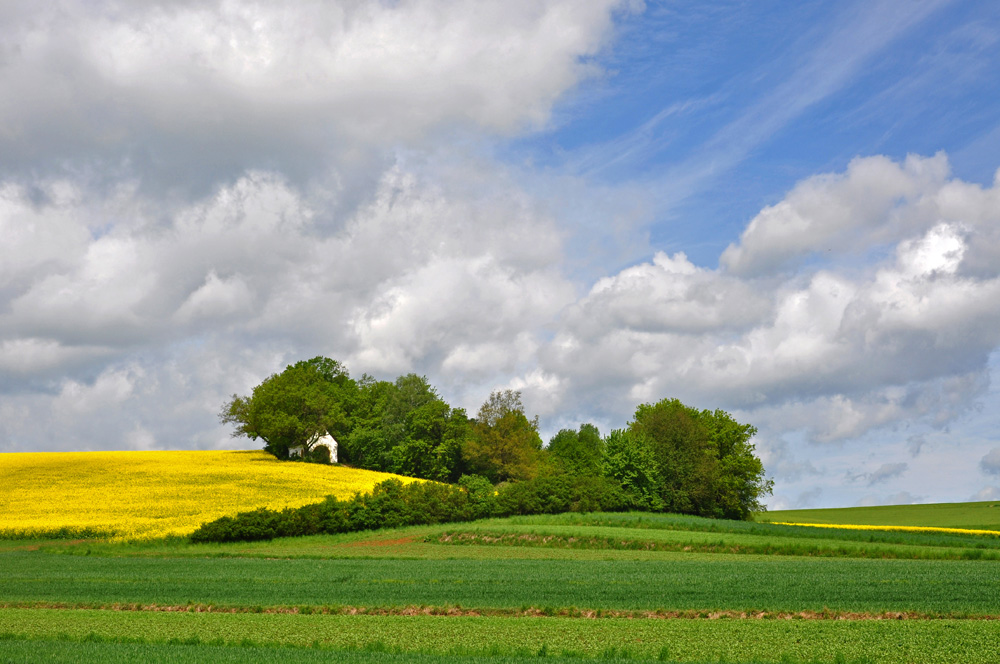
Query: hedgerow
(392,504)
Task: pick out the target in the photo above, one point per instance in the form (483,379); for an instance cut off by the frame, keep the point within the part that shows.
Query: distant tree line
(670,457)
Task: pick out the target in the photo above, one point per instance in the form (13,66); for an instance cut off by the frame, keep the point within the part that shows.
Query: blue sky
(726,105)
(787,210)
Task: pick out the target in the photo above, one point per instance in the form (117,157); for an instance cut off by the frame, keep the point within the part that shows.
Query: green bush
(560,493)
(244,527)
(481,496)
(392,504)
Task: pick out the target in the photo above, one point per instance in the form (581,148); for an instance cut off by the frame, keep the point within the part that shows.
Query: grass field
(129,495)
(980,516)
(388,596)
(454,639)
(628,587)
(682,533)
(678,583)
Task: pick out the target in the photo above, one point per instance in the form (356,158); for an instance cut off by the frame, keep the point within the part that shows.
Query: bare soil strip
(531,612)
(36,547)
(380,542)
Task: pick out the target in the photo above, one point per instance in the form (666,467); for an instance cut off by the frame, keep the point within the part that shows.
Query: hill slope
(141,495)
(980,516)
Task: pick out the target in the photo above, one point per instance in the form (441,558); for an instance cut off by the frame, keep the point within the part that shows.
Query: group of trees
(401,427)
(670,457)
(676,458)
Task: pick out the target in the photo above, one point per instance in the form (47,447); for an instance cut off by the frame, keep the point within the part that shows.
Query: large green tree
(405,427)
(305,401)
(742,480)
(628,458)
(503,444)
(704,459)
(577,452)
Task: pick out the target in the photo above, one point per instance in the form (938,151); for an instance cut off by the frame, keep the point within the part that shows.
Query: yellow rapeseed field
(905,529)
(144,495)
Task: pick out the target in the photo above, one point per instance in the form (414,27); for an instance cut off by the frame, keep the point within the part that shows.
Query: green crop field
(636,587)
(687,640)
(984,516)
(678,583)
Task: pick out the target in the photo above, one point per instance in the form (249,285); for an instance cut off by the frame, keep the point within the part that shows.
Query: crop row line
(897,529)
(488,538)
(524,612)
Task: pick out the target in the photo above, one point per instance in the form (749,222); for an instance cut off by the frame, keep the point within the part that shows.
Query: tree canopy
(406,428)
(295,407)
(704,460)
(504,444)
(670,457)
(628,458)
(578,452)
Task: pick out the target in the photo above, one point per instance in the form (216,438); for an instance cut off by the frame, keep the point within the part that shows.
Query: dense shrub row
(392,504)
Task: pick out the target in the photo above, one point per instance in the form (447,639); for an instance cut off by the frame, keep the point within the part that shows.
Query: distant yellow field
(903,529)
(143,495)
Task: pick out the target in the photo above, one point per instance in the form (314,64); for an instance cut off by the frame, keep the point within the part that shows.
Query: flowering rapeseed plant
(143,495)
(905,529)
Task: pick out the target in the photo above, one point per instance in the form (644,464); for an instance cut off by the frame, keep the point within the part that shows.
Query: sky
(789,211)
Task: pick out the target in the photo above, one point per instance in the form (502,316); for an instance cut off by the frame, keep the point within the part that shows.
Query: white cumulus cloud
(187,89)
(836,347)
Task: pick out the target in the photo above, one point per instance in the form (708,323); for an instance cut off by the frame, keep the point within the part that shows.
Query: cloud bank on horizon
(500,194)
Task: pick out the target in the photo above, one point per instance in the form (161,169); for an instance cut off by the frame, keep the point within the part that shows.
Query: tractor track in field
(529,612)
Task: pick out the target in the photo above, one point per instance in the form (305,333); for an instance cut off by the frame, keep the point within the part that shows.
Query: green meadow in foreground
(732,640)
(679,583)
(653,587)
